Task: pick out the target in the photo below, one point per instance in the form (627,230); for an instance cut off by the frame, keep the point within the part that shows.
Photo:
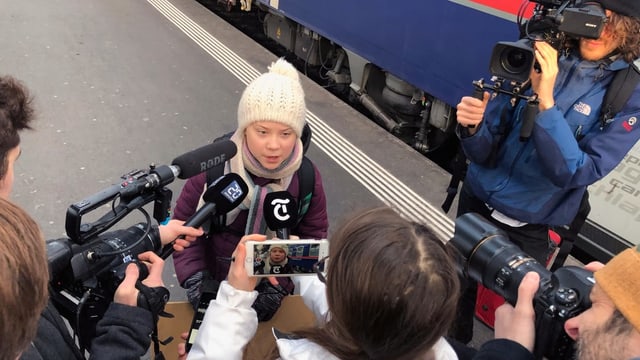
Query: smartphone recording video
(285,257)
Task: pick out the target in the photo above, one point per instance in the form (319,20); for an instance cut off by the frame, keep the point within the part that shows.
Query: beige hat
(620,280)
(274,96)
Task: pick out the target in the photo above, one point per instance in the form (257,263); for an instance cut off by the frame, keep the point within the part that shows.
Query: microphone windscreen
(280,210)
(203,158)
(227,192)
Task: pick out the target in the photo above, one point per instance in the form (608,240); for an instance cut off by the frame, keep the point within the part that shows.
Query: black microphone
(183,167)
(224,195)
(204,158)
(280,213)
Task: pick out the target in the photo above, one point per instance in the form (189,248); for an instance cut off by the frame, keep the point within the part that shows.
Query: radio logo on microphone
(233,191)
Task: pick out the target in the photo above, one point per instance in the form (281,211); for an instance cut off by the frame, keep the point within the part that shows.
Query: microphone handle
(283,234)
(195,221)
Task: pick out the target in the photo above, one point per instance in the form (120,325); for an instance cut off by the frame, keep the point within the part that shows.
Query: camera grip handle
(478,93)
(528,119)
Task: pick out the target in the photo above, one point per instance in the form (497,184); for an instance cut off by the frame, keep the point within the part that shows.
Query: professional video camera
(553,21)
(87,267)
(491,259)
(511,63)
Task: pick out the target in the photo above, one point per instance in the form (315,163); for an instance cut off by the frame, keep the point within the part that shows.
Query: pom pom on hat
(274,96)
(623,7)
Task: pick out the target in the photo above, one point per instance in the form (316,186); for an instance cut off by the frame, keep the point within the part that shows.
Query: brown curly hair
(628,30)
(16,112)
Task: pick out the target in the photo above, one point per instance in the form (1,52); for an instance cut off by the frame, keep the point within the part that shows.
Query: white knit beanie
(274,96)
(284,248)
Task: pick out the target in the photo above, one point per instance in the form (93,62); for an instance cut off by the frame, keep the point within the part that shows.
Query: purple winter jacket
(202,253)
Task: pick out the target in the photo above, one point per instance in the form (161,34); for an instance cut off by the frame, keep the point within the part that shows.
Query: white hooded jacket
(230,322)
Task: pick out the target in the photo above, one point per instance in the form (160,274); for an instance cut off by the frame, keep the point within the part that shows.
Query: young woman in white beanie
(271,118)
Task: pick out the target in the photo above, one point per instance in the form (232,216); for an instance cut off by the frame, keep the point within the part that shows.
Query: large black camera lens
(512,60)
(491,259)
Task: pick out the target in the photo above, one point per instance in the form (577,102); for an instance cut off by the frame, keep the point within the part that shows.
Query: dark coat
(122,334)
(204,252)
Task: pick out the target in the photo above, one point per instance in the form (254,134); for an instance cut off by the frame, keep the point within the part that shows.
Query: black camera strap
(154,299)
(619,92)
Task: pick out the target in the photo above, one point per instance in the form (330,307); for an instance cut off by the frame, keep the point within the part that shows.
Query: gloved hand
(268,300)
(193,285)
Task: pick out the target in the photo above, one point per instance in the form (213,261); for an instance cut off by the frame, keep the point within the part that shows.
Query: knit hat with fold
(620,281)
(274,96)
(622,7)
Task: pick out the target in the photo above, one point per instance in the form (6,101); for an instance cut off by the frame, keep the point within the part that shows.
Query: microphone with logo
(183,167)
(280,213)
(224,195)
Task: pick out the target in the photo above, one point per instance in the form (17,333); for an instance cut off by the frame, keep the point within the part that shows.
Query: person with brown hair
(24,274)
(23,279)
(16,114)
(391,291)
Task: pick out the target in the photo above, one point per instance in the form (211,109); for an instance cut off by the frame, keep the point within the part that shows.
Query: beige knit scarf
(245,163)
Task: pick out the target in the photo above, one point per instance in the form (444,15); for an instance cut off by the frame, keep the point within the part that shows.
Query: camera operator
(22,253)
(526,187)
(123,321)
(609,329)
(123,332)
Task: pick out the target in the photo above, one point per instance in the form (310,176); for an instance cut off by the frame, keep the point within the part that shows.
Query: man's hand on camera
(543,81)
(175,229)
(518,323)
(126,293)
(470,111)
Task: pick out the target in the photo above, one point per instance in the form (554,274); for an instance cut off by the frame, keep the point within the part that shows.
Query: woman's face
(277,255)
(270,142)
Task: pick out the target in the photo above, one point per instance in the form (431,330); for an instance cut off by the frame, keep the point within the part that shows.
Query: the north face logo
(582,108)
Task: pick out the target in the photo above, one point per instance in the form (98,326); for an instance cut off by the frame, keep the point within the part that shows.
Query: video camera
(491,259)
(553,21)
(511,63)
(86,268)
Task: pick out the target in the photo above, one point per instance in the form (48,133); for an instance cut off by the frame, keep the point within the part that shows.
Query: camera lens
(514,61)
(491,258)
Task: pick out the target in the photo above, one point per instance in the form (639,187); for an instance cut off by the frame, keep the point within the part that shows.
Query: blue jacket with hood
(542,180)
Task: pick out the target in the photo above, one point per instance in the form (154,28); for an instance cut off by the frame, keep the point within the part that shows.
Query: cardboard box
(292,315)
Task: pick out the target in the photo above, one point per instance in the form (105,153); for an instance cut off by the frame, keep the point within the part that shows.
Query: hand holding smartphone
(284,257)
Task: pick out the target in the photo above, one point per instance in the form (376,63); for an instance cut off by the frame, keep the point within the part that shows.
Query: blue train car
(437,46)
(408,63)
(303,257)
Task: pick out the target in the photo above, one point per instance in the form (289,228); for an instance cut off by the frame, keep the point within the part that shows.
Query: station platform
(122,84)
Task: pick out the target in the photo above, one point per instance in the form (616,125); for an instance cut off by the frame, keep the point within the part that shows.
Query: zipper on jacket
(566,79)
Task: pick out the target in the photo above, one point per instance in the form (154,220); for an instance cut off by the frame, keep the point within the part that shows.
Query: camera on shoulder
(553,22)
